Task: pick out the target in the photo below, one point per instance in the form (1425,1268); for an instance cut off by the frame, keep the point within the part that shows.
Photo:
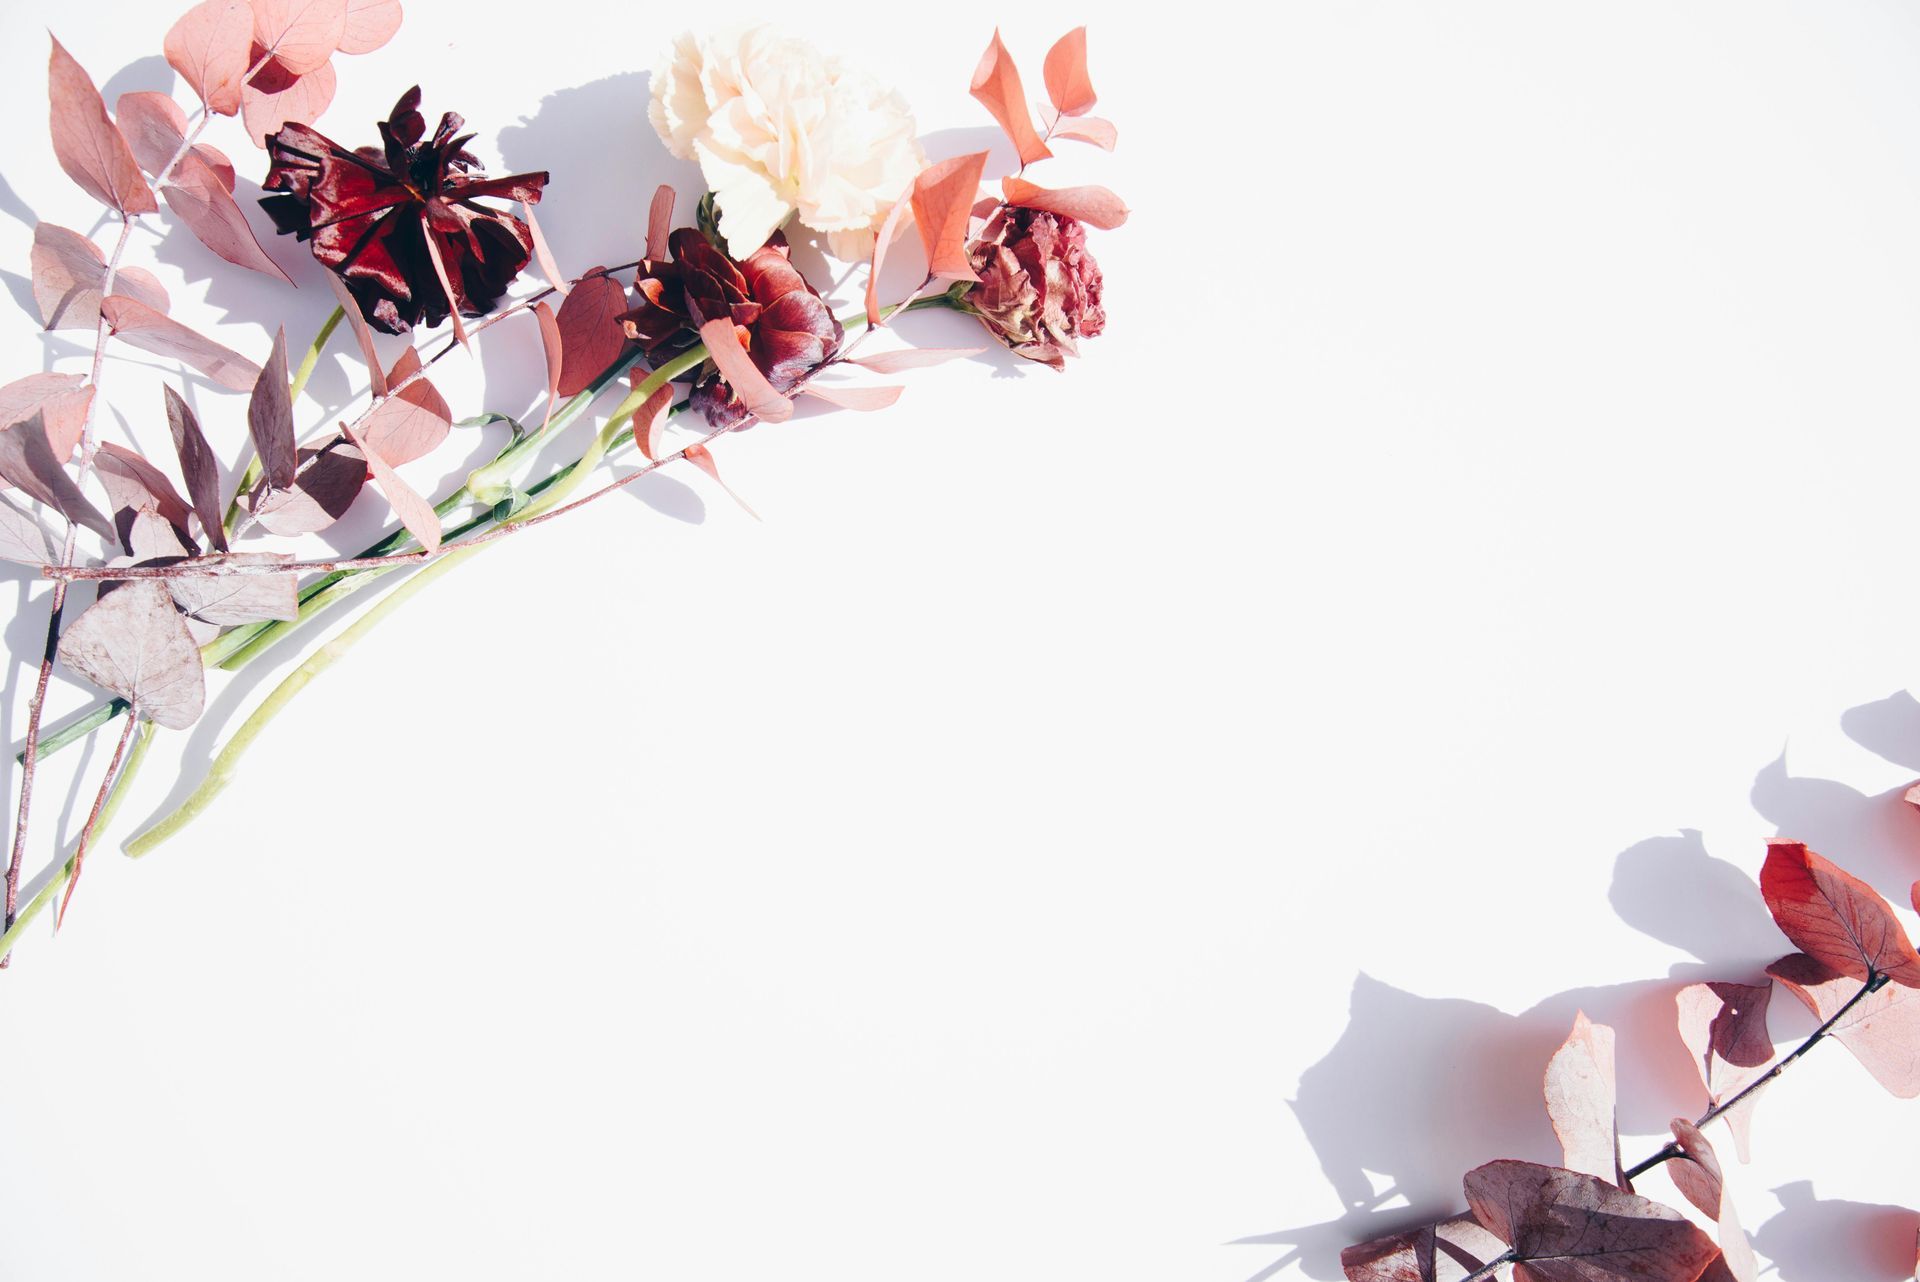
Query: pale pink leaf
(741,374)
(943,197)
(270,418)
(413,421)
(659,222)
(300,35)
(1068,87)
(330,477)
(132,482)
(139,325)
(1882,1030)
(911,358)
(369,24)
(1564,1226)
(68,271)
(432,245)
(1698,1177)
(651,417)
(27,461)
(197,197)
(1445,1252)
(87,144)
(24,538)
(1724,1026)
(267,104)
(414,512)
(148,537)
(198,465)
(552,344)
(890,230)
(134,643)
(863,399)
(156,129)
(361,333)
(701,457)
(996,83)
(1094,206)
(210,47)
(590,335)
(1580,1090)
(60,399)
(228,600)
(543,253)
(1101,133)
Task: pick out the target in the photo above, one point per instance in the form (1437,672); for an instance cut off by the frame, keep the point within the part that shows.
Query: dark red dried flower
(786,327)
(1039,288)
(377,216)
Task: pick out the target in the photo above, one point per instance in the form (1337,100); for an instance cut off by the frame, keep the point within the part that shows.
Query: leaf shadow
(1813,1239)
(151,74)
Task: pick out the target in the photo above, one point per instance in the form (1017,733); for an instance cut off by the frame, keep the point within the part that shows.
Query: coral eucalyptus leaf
(1835,917)
(211,47)
(198,466)
(1094,206)
(1069,88)
(1724,1026)
(1444,1252)
(996,83)
(369,24)
(270,418)
(1101,133)
(1882,1029)
(201,201)
(1580,1091)
(69,272)
(86,142)
(134,643)
(141,326)
(749,385)
(1567,1227)
(943,197)
(414,512)
(413,421)
(590,335)
(299,35)
(651,417)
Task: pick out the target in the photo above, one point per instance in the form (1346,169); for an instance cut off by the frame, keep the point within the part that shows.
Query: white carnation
(779,128)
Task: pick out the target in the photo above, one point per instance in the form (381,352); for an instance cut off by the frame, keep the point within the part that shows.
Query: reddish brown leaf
(68,271)
(701,457)
(651,417)
(270,417)
(134,643)
(659,222)
(907,358)
(199,466)
(1094,206)
(543,253)
(156,128)
(24,539)
(1835,917)
(141,326)
(1580,1092)
(86,143)
(996,83)
(590,335)
(554,347)
(1443,1252)
(414,512)
(882,242)
(228,600)
(210,47)
(27,461)
(1697,1175)
(413,421)
(362,334)
(864,399)
(198,199)
(300,35)
(741,374)
(1724,1027)
(331,476)
(1882,1030)
(943,197)
(1567,1227)
(132,482)
(268,102)
(369,24)
(1068,86)
(1093,129)
(61,400)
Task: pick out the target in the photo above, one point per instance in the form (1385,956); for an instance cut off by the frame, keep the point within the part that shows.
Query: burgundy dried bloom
(786,327)
(1039,288)
(378,216)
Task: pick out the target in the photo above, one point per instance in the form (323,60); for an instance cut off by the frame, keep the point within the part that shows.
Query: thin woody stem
(93,818)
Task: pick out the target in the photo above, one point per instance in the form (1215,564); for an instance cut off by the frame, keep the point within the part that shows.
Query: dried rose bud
(370,214)
(1039,288)
(786,327)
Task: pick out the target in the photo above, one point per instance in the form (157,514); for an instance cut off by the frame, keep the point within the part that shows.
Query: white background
(1151,823)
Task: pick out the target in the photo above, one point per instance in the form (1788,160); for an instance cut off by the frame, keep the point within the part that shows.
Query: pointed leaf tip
(1068,86)
(996,83)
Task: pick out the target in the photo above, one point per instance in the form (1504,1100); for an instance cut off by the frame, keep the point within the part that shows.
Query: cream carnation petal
(751,209)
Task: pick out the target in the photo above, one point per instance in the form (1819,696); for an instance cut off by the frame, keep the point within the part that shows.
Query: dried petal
(134,643)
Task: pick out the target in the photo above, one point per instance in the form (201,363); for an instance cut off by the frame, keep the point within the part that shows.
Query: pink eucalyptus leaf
(1696,1173)
(996,83)
(543,253)
(267,103)
(228,600)
(211,47)
(907,358)
(198,465)
(1724,1026)
(61,400)
(1835,917)
(87,144)
(27,461)
(1094,206)
(701,457)
(943,197)
(362,334)
(1069,88)
(300,35)
(414,512)
(139,325)
(198,199)
(1580,1090)
(555,349)
(1101,133)
(148,536)
(330,477)
(156,129)
(68,271)
(132,482)
(651,417)
(741,374)
(590,335)
(659,222)
(863,399)
(369,25)
(413,421)
(890,229)
(270,418)
(24,538)
(1445,1252)
(432,246)
(1564,1226)
(134,643)
(1882,1030)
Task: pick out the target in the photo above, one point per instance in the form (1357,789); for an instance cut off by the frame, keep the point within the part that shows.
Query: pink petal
(659,222)
(211,47)
(197,197)
(413,421)
(414,512)
(996,83)
(741,374)
(141,326)
(301,103)
(369,24)
(301,35)
(912,358)
(87,144)
(864,399)
(1094,206)
(590,335)
(943,197)
(1068,87)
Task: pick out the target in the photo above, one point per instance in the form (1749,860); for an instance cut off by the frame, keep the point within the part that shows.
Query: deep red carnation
(1039,288)
(373,213)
